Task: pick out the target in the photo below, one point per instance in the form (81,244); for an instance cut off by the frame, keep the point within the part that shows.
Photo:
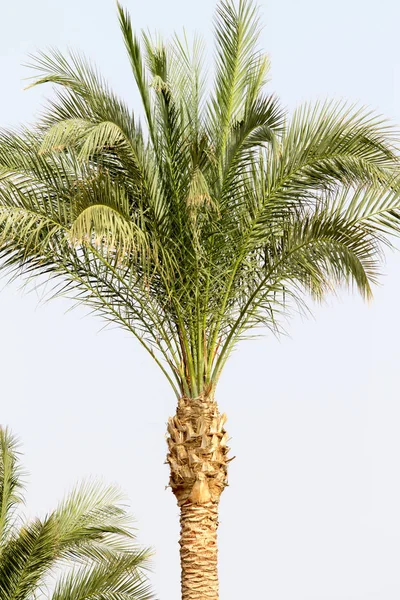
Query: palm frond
(132,45)
(11,484)
(237,31)
(90,534)
(117,578)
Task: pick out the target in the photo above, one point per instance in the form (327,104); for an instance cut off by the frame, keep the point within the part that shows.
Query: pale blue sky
(312,511)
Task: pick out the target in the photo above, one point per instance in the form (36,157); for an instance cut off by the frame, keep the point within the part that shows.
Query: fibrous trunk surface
(199,552)
(197,457)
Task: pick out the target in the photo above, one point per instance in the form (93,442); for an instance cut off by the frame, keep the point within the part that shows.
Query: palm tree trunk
(198,461)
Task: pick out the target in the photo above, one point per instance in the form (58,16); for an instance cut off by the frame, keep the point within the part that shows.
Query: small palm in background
(83,549)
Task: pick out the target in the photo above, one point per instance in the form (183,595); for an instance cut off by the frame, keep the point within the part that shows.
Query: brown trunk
(197,457)
(199,554)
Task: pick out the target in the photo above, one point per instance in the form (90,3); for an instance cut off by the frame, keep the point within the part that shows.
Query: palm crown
(89,535)
(212,219)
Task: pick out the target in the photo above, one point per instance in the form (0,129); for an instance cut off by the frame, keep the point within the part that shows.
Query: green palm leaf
(89,536)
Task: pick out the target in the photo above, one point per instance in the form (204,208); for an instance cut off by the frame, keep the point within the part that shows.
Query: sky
(312,507)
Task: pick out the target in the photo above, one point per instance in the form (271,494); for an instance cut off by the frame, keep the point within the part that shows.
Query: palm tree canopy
(89,534)
(212,214)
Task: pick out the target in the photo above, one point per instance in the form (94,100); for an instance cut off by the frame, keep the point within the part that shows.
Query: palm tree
(88,534)
(218,217)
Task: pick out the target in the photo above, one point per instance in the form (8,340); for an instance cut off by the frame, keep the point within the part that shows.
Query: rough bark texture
(199,555)
(197,456)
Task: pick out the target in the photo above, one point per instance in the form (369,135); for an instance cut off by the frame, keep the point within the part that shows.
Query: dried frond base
(198,450)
